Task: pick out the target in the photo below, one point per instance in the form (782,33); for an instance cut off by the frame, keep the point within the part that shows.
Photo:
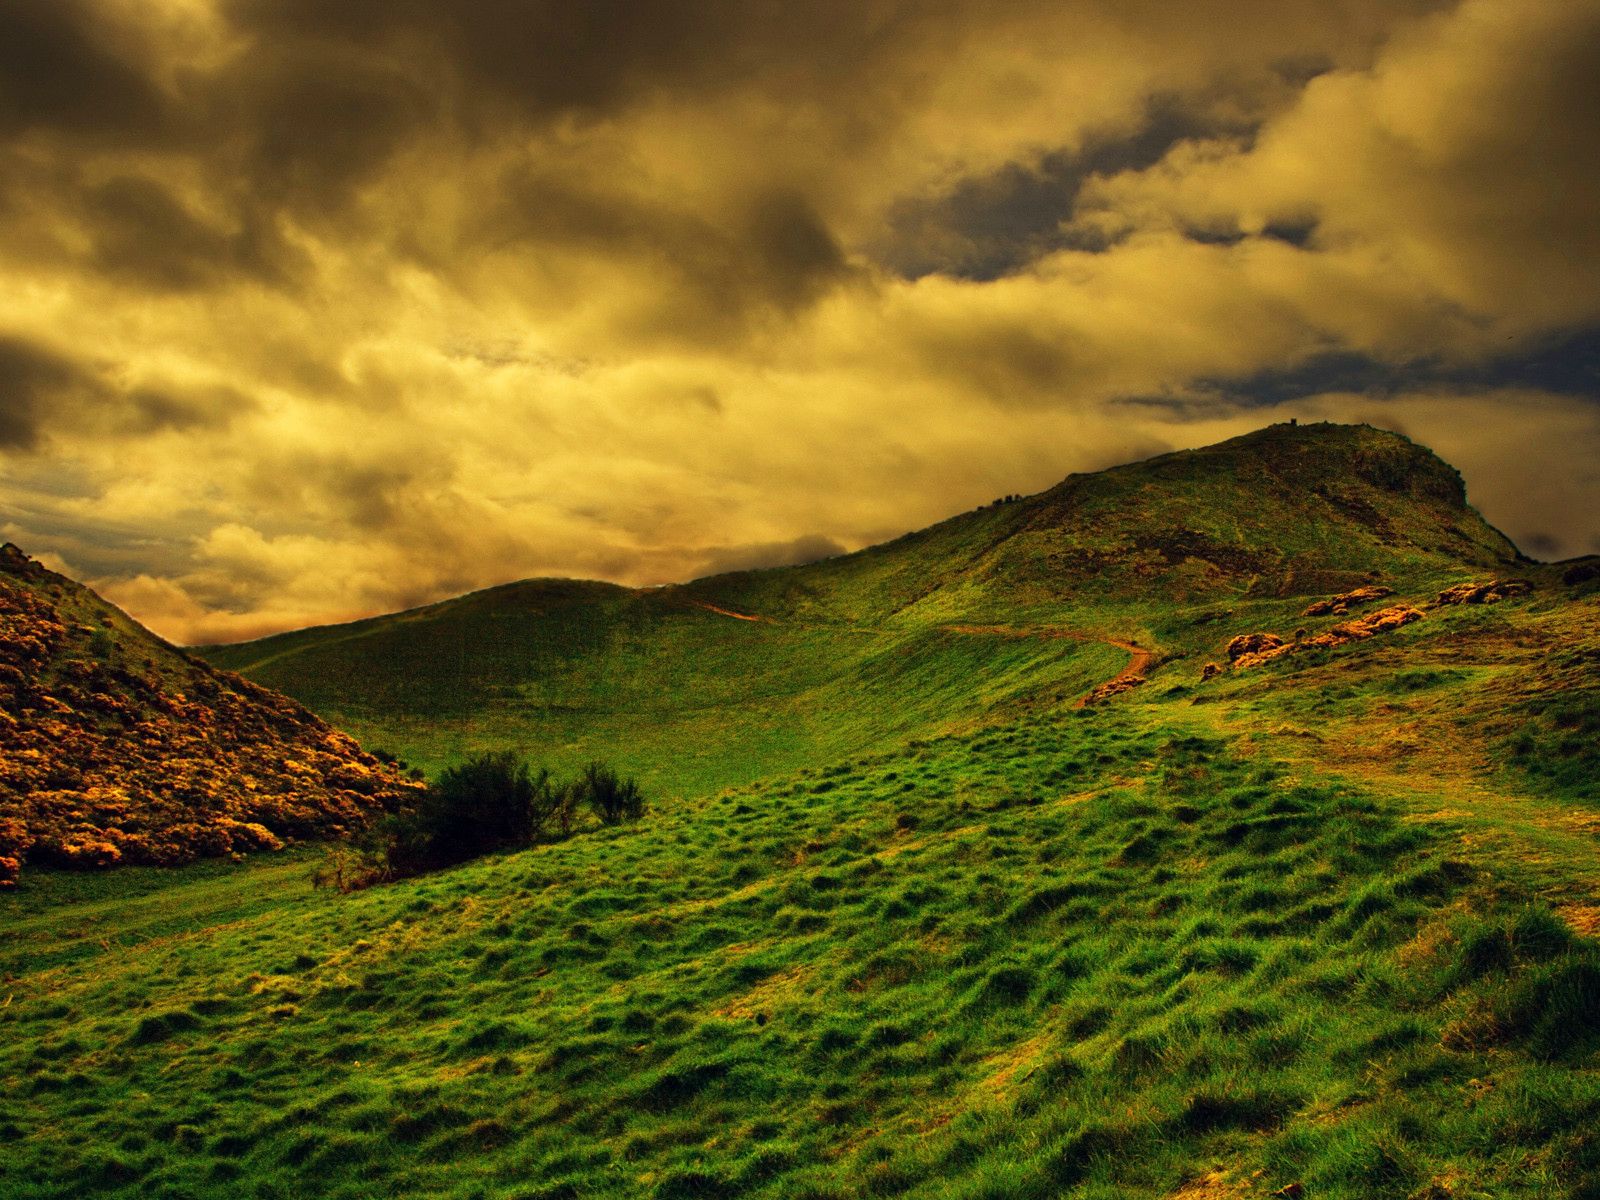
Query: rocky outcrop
(1485,593)
(1114,687)
(116,748)
(1252,643)
(1381,621)
(1257,648)
(1345,601)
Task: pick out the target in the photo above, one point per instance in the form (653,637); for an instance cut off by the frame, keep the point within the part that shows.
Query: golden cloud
(317,310)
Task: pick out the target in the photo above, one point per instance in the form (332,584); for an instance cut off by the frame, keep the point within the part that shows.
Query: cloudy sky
(310,310)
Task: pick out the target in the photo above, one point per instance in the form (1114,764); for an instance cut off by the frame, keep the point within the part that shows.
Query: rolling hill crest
(1032,600)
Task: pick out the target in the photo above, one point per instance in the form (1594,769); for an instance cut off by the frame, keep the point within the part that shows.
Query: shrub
(492,802)
(611,799)
(484,804)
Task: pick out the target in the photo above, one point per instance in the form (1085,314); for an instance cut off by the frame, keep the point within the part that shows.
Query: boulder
(1381,621)
(1345,601)
(1485,593)
(1115,687)
(1252,643)
(1270,646)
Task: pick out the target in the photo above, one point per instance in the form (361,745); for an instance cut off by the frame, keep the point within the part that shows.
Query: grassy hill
(907,920)
(120,748)
(916,636)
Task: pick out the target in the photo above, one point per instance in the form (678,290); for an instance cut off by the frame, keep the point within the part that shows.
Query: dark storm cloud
(149,410)
(1562,365)
(35,386)
(713,276)
(997,223)
(543,58)
(319,121)
(142,231)
(43,392)
(348,488)
(64,66)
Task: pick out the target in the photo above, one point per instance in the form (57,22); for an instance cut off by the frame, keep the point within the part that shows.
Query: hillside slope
(1306,907)
(915,636)
(1284,511)
(1102,956)
(117,747)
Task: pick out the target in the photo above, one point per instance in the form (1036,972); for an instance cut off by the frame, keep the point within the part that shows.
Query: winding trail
(1139,663)
(728,612)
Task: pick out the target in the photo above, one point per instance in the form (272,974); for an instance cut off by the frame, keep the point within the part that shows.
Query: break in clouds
(316,310)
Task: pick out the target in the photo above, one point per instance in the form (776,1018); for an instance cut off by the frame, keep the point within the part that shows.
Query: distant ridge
(1289,510)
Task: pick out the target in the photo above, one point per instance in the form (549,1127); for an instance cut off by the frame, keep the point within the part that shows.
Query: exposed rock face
(1485,593)
(1267,653)
(1114,687)
(1345,601)
(1269,646)
(117,748)
(1252,643)
(1381,621)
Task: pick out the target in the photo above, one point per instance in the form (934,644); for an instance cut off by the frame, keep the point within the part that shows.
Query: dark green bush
(611,799)
(495,801)
(488,803)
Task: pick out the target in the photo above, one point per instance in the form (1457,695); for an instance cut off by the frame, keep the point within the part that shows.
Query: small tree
(612,799)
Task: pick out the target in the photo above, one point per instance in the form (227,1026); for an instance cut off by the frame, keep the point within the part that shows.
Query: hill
(1015,605)
(1306,906)
(118,747)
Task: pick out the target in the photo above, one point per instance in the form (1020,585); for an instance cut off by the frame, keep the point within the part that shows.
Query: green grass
(1072,956)
(854,653)
(686,699)
(904,921)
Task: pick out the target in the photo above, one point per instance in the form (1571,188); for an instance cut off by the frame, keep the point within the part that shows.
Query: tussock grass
(1202,958)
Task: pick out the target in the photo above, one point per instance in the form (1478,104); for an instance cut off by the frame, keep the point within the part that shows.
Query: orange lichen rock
(1276,649)
(1485,593)
(117,748)
(1252,643)
(1270,646)
(1345,601)
(1381,621)
(1114,687)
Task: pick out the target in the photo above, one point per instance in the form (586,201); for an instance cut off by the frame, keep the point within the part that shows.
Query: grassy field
(905,920)
(1074,956)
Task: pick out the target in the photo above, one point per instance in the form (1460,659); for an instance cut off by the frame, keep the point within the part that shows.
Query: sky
(315,310)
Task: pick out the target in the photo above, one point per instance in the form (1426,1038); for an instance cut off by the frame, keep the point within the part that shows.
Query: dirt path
(1139,663)
(728,612)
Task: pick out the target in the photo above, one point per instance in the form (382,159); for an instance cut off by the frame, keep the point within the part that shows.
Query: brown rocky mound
(1114,687)
(1345,601)
(1271,646)
(1252,643)
(1485,593)
(117,748)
